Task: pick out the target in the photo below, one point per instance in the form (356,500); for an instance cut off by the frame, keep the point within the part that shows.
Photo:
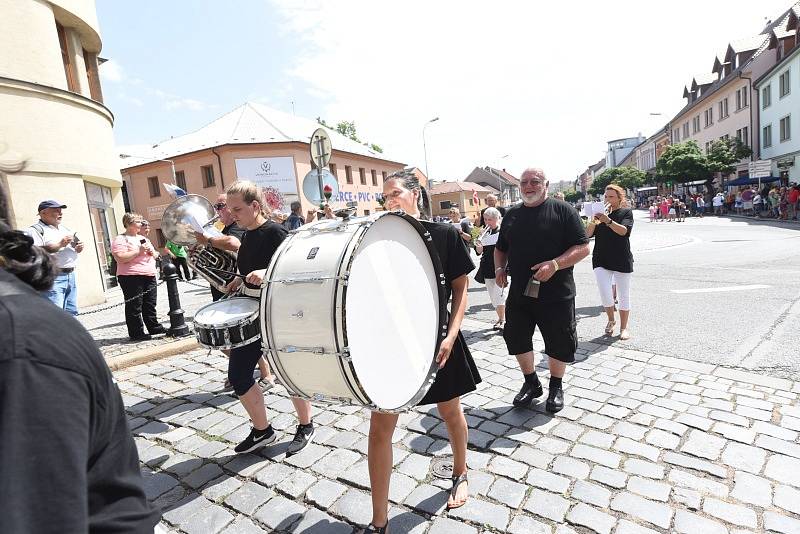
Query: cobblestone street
(646,443)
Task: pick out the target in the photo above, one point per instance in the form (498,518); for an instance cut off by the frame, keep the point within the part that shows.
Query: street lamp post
(425,148)
(499,179)
(171,163)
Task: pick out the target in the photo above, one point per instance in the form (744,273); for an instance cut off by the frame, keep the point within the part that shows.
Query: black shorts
(556,322)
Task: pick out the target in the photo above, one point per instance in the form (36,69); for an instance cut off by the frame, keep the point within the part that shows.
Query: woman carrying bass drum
(457,374)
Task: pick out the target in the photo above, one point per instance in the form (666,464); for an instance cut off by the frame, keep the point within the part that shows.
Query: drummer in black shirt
(457,374)
(261,239)
(540,240)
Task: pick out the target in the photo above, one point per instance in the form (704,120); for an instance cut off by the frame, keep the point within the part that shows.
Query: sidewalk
(645,444)
(106,322)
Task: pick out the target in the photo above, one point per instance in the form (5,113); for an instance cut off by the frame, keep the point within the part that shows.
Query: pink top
(143,264)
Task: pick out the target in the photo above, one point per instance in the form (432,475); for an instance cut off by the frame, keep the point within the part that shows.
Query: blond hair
(130,218)
(249,192)
(619,190)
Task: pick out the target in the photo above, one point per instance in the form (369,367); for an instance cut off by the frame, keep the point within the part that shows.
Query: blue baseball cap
(43,205)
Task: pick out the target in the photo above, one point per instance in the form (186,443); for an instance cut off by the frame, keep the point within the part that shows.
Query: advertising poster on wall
(275,176)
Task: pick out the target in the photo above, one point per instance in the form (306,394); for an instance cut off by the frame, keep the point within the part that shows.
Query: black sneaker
(527,394)
(256,439)
(555,400)
(141,337)
(301,438)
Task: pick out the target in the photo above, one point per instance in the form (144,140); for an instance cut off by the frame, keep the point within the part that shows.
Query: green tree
(573,196)
(682,163)
(348,129)
(376,148)
(625,177)
(724,153)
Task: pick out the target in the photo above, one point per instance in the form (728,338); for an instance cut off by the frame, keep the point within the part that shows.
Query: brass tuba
(215,265)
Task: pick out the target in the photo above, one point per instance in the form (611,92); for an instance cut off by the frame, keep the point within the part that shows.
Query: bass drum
(354,311)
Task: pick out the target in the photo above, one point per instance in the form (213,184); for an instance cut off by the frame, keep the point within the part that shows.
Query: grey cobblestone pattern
(644,444)
(108,327)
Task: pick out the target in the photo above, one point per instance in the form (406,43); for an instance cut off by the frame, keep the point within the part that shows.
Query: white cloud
(130,99)
(111,71)
(547,83)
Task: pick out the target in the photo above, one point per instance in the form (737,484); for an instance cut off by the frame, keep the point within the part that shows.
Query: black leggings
(143,306)
(241,364)
(182,263)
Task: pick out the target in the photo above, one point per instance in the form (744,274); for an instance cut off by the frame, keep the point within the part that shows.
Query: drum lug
(345,355)
(298,315)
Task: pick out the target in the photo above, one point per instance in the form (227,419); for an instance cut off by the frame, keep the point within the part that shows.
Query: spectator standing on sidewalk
(747,201)
(461,224)
(64,244)
(136,273)
(612,259)
(181,260)
(295,219)
(794,201)
(718,201)
(540,240)
(701,206)
(68,462)
(757,204)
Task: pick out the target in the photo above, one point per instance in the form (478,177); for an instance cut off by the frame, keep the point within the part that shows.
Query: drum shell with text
(354,311)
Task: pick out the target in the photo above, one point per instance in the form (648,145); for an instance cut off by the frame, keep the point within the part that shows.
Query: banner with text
(276,174)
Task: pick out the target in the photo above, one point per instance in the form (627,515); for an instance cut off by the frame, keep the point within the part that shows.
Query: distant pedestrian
(461,224)
(68,462)
(64,244)
(540,240)
(136,273)
(653,211)
(718,201)
(794,201)
(491,202)
(701,206)
(295,219)
(664,209)
(612,259)
(181,260)
(747,201)
(484,247)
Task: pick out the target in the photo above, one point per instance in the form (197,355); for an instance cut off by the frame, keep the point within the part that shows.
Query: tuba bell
(184,216)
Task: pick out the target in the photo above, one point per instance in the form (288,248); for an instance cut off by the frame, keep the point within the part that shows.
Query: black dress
(460,374)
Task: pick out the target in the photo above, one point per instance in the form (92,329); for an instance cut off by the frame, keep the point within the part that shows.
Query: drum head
(227,312)
(392,312)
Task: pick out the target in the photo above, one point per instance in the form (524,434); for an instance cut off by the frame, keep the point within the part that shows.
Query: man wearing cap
(64,245)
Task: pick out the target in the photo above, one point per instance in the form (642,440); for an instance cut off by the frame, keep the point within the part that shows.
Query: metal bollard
(177,326)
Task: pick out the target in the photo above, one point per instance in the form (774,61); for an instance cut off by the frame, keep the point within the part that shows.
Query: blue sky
(515,83)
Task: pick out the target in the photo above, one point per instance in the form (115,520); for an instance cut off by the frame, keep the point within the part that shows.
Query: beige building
(461,195)
(499,180)
(54,120)
(257,143)
(719,104)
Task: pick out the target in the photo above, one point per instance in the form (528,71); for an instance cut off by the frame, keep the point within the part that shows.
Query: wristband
(499,269)
(555,263)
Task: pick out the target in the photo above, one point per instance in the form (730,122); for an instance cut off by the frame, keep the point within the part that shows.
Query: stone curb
(149,354)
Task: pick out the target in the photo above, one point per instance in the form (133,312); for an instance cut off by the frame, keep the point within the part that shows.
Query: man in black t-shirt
(540,240)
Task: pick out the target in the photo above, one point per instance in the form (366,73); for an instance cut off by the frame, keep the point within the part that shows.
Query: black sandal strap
(457,481)
(372,529)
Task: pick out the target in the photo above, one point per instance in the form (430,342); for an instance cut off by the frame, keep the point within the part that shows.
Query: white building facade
(779,111)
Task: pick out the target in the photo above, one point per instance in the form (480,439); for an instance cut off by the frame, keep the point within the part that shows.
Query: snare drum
(354,311)
(227,323)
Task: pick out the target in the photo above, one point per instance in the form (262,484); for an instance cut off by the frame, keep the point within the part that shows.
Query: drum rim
(249,319)
(443,316)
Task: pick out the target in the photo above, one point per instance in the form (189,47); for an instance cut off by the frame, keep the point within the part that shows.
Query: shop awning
(746,180)
(648,188)
(696,182)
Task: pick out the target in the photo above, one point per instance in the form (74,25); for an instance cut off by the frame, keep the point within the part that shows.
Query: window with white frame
(723,108)
(786,128)
(696,124)
(741,98)
(709,115)
(743,135)
(766,96)
(783,84)
(686,129)
(676,135)
(766,136)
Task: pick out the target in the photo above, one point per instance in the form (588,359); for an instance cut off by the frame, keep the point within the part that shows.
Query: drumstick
(223,271)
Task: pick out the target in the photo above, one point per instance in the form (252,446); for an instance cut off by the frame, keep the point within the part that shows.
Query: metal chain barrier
(146,291)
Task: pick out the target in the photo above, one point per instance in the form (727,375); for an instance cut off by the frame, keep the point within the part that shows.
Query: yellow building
(54,120)
(461,195)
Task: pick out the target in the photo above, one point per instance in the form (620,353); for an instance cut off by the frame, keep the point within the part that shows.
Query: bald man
(540,240)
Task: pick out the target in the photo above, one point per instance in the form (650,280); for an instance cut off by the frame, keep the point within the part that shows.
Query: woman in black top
(457,372)
(259,243)
(612,259)
(484,246)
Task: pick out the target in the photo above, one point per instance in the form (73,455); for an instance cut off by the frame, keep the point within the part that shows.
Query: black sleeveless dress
(460,374)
